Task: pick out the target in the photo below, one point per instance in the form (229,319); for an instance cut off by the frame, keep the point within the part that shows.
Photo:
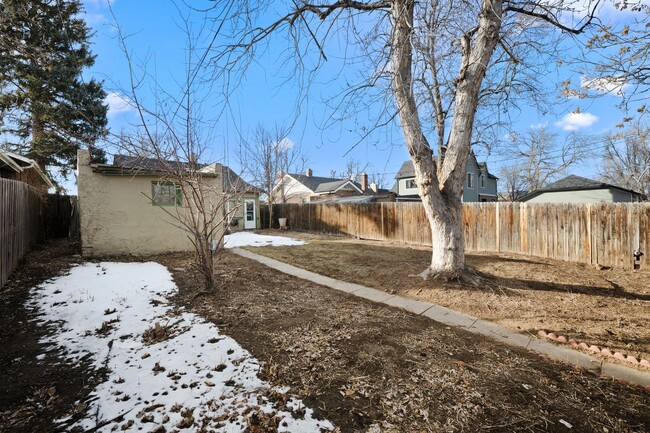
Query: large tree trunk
(441,187)
(447,239)
(37,151)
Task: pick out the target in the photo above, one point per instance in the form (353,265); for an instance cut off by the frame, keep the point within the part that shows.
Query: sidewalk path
(463,321)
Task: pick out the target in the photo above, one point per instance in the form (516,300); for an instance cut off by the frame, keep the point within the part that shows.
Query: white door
(249,214)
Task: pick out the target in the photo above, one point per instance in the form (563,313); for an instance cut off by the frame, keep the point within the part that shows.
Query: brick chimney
(364,183)
(308,172)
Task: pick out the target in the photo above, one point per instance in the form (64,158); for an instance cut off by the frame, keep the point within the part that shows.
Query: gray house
(576,189)
(480,184)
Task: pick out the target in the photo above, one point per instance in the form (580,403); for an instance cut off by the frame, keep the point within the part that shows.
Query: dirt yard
(605,307)
(36,389)
(360,365)
(366,367)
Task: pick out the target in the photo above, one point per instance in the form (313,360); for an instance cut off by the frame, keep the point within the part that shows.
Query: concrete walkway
(463,321)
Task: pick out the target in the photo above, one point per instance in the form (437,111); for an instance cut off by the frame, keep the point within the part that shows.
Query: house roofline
(345,183)
(580,188)
(281,181)
(9,158)
(136,171)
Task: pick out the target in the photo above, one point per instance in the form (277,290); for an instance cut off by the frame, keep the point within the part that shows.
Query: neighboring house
(480,185)
(576,189)
(307,188)
(18,167)
(125,207)
(243,210)
(304,188)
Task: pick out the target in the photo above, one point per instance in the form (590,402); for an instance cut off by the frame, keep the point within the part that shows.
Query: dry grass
(372,368)
(606,307)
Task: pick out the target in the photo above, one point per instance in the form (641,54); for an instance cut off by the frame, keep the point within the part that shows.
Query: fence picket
(588,233)
(28,217)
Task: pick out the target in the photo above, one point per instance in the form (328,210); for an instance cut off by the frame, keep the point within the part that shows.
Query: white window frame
(470,180)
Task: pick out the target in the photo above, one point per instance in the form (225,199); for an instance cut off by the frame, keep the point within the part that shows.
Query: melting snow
(192,377)
(244,239)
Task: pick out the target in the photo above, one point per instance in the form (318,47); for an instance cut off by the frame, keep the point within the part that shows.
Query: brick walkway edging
(464,321)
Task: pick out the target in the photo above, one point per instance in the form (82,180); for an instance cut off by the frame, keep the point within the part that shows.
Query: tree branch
(553,20)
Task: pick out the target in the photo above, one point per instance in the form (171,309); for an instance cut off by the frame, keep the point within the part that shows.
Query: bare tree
(478,47)
(354,169)
(378,179)
(512,183)
(626,159)
(616,58)
(170,141)
(540,156)
(266,157)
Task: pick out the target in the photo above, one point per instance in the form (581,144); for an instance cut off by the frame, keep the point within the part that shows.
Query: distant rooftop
(322,184)
(575,183)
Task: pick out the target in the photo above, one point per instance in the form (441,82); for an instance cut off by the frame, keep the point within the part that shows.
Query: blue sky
(156,40)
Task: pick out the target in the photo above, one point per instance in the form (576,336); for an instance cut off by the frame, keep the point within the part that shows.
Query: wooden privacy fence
(26,218)
(20,224)
(592,233)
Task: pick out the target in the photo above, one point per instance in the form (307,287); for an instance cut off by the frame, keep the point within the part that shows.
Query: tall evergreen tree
(47,110)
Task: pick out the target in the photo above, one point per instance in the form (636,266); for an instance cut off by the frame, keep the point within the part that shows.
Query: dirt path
(371,368)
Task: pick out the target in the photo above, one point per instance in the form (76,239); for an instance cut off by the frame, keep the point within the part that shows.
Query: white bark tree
(468,54)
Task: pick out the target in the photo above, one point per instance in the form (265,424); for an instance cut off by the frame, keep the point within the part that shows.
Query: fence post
(590,235)
(498,223)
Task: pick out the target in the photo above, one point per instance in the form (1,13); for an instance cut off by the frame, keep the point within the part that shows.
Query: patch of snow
(248,239)
(193,376)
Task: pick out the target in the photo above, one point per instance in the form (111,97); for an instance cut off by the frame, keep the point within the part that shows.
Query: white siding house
(305,188)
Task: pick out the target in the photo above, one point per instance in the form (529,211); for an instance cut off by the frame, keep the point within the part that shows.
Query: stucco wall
(471,194)
(116,218)
(490,187)
(403,190)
